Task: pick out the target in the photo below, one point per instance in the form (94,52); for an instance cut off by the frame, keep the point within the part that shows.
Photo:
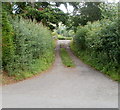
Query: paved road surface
(61,87)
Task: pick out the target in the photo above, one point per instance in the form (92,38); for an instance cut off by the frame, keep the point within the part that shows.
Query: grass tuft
(66,59)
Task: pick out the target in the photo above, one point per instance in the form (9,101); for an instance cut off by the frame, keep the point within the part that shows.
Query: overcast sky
(62,7)
(70,8)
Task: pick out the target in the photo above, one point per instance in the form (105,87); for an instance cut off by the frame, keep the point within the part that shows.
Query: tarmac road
(62,87)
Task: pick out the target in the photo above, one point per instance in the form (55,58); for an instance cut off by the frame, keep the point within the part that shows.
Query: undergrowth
(28,47)
(106,68)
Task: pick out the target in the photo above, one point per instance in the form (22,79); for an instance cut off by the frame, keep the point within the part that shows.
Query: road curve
(62,87)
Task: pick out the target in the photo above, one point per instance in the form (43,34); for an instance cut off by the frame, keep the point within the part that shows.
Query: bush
(60,37)
(33,49)
(98,44)
(7,41)
(54,34)
(79,38)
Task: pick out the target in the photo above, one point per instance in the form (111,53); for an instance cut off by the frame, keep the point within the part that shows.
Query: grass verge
(93,62)
(66,59)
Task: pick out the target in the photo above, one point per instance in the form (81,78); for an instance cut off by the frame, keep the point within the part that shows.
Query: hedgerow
(60,37)
(27,48)
(7,41)
(98,44)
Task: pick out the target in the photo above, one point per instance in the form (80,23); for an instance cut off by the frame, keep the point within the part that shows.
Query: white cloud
(63,8)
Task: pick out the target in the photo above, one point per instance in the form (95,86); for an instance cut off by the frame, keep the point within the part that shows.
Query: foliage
(66,59)
(7,41)
(109,10)
(88,11)
(21,7)
(54,34)
(48,16)
(63,30)
(33,49)
(60,37)
(92,60)
(80,37)
(27,50)
(71,33)
(99,45)
(7,6)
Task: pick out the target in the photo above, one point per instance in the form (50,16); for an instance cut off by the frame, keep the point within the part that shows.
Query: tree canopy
(50,14)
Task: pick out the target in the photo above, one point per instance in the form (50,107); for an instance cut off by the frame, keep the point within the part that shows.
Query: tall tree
(84,12)
(91,11)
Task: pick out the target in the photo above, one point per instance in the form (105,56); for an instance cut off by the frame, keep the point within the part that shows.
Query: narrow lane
(62,87)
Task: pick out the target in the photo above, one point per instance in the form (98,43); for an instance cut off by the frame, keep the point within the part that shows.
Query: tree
(109,11)
(91,11)
(84,12)
(47,13)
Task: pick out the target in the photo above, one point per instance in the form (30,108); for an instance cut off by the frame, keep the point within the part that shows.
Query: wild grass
(66,59)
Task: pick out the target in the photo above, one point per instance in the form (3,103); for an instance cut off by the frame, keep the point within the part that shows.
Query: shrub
(7,41)
(54,34)
(60,37)
(79,38)
(33,49)
(98,44)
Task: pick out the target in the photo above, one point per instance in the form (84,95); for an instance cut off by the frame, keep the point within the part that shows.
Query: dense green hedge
(60,37)
(98,44)
(7,41)
(27,47)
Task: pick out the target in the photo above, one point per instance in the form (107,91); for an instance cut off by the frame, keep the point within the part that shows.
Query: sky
(70,8)
(62,7)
